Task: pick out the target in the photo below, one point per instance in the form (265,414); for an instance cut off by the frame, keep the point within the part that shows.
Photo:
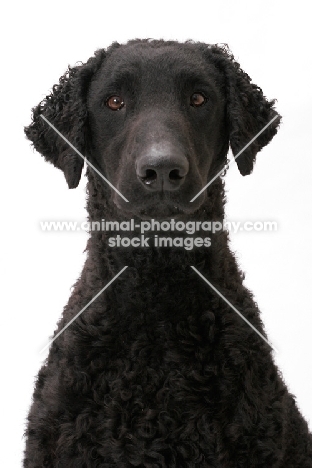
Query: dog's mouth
(161,211)
(159,206)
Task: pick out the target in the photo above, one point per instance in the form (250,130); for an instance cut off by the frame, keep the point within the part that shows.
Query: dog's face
(157,122)
(156,119)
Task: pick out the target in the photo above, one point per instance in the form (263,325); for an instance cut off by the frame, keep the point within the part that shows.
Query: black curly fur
(159,371)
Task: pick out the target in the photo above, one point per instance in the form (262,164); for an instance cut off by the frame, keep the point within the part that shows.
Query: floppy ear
(65,108)
(248,111)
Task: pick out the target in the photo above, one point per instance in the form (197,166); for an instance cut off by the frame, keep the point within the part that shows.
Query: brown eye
(197,100)
(115,102)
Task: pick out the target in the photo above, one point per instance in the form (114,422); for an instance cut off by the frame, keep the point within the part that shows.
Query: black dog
(159,371)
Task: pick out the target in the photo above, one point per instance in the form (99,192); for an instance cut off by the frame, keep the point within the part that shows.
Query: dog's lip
(158,208)
(162,213)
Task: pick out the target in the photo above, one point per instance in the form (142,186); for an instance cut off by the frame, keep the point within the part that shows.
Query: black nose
(162,168)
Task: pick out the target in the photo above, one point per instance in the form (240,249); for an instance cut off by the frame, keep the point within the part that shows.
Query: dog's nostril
(150,176)
(175,175)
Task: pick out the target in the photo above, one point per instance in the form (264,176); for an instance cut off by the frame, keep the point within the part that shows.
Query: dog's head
(156,119)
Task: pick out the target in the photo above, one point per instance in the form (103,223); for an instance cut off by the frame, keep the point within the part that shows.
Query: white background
(272,42)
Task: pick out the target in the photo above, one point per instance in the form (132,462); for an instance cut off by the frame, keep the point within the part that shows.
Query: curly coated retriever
(159,371)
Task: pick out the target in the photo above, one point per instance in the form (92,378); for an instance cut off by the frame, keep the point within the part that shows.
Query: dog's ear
(65,108)
(248,111)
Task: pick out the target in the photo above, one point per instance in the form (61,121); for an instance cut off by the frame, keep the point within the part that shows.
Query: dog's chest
(156,404)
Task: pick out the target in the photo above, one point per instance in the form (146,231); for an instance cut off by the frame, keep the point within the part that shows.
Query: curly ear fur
(66,109)
(248,111)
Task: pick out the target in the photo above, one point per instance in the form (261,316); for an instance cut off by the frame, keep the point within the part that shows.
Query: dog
(155,368)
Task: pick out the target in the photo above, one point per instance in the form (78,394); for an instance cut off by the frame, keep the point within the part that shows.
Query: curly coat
(159,371)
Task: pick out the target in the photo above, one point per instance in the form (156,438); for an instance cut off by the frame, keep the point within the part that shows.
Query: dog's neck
(158,282)
(166,262)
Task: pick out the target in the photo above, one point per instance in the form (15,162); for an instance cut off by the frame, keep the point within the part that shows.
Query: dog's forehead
(164,60)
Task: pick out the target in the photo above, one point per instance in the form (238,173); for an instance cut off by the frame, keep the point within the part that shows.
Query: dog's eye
(197,100)
(115,102)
